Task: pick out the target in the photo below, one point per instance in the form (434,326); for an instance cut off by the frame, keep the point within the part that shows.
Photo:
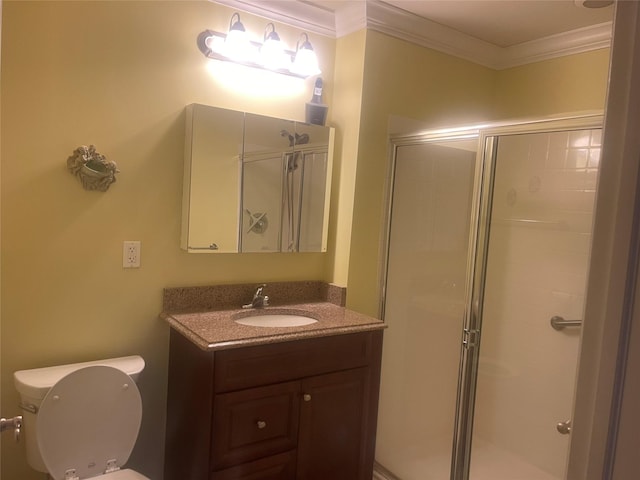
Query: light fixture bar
(212,45)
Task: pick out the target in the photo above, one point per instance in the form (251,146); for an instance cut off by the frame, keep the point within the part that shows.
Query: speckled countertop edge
(217,330)
(224,297)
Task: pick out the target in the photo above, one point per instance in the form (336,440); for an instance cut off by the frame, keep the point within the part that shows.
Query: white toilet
(82,420)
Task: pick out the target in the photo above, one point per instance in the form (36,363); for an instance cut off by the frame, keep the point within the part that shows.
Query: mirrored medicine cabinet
(254,183)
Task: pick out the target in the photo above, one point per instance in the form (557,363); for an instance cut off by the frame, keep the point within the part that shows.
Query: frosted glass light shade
(237,46)
(273,56)
(305,62)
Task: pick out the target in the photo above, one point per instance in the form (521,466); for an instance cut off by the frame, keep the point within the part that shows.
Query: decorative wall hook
(93,169)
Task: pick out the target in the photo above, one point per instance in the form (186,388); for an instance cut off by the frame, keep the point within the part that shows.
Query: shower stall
(486,261)
(283,200)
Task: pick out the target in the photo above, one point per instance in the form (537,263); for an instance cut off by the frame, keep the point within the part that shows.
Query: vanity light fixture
(236,47)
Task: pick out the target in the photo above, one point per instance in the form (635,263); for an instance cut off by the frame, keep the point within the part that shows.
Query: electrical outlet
(131,254)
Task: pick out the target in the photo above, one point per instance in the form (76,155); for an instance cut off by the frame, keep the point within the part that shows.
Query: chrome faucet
(259,300)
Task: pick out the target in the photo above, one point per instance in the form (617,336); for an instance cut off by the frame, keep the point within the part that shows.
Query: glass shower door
(426,268)
(539,220)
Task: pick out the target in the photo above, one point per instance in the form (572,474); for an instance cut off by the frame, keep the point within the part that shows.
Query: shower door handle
(564,427)
(559,323)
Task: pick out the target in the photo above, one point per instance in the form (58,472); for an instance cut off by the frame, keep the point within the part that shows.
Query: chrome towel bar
(559,323)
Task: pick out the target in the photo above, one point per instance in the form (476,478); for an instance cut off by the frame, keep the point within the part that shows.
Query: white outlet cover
(131,254)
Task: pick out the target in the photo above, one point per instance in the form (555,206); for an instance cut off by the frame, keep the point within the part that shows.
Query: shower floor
(489,462)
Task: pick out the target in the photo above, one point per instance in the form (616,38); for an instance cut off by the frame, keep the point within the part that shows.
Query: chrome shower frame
(488,138)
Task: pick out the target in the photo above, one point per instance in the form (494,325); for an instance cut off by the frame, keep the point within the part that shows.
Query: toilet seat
(88,422)
(125,474)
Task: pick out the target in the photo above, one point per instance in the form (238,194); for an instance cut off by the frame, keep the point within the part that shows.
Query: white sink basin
(276,320)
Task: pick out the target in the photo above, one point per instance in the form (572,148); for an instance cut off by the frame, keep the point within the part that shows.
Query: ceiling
(500,22)
(495,33)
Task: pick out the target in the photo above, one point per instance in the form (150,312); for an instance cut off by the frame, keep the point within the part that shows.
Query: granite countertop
(217,330)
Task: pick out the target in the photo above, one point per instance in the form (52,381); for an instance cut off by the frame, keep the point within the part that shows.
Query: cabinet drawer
(265,364)
(277,467)
(254,423)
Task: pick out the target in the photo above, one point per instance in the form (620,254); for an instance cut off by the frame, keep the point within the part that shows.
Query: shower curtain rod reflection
(531,222)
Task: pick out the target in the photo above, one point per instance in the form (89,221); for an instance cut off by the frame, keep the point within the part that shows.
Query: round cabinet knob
(306,397)
(564,427)
(261,424)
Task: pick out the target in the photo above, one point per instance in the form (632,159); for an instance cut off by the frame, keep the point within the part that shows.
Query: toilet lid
(89,418)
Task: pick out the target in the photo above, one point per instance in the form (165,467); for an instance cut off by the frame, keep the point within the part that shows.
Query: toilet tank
(33,385)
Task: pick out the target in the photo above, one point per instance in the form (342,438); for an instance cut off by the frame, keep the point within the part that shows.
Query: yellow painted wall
(117,75)
(408,81)
(347,99)
(560,85)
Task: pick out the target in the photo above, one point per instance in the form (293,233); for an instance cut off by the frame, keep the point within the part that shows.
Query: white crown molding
(388,19)
(393,21)
(576,41)
(306,16)
(351,17)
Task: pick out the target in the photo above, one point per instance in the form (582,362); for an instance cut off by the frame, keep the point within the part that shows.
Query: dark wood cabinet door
(333,417)
(254,423)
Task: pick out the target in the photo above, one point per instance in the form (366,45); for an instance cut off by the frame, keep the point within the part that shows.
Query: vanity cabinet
(303,409)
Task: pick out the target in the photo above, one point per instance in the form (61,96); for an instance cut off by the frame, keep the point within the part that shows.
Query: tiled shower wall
(539,249)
